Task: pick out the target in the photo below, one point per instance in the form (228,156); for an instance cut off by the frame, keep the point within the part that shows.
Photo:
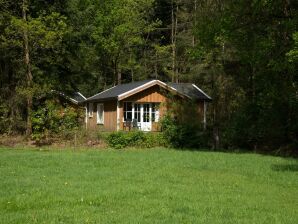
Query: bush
(153,139)
(183,134)
(51,118)
(122,139)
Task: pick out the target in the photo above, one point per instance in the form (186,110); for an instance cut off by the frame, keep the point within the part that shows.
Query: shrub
(153,139)
(117,140)
(54,119)
(122,139)
(183,134)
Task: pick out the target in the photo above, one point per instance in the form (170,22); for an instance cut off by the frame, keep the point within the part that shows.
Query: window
(146,112)
(155,112)
(127,112)
(90,110)
(137,113)
(132,111)
(100,113)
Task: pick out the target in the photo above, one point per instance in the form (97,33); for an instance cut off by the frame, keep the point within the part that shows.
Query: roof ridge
(180,83)
(145,80)
(81,95)
(101,92)
(194,85)
(120,91)
(124,85)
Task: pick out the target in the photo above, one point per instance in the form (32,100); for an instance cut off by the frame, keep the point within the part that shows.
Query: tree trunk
(216,138)
(289,79)
(131,68)
(115,72)
(173,42)
(119,76)
(132,75)
(29,77)
(195,22)
(155,66)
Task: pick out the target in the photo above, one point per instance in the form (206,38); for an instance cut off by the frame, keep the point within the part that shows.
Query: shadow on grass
(277,153)
(285,167)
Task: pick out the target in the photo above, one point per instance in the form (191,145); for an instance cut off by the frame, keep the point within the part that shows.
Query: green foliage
(54,119)
(153,139)
(182,125)
(293,53)
(122,139)
(241,52)
(185,134)
(11,121)
(249,54)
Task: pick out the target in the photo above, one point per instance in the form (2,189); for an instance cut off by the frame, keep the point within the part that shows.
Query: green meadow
(146,186)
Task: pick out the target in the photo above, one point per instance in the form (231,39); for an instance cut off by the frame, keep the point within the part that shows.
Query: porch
(140,116)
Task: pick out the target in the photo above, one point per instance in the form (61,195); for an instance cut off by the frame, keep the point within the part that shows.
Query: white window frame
(138,111)
(100,106)
(157,105)
(90,110)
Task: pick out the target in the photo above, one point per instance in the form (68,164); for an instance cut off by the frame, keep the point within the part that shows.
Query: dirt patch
(14,140)
(18,141)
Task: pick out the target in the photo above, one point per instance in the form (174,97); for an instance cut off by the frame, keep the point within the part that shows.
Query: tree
(254,37)
(34,37)
(29,77)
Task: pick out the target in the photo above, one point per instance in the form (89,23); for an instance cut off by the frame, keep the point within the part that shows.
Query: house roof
(115,91)
(186,89)
(190,90)
(78,97)
(75,97)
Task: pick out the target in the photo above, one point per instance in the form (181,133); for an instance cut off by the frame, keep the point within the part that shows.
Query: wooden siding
(110,117)
(121,115)
(154,94)
(91,121)
(201,110)
(155,84)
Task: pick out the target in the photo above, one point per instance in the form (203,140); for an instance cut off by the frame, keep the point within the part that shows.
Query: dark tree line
(244,53)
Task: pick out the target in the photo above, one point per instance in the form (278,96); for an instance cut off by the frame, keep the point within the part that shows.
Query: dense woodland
(243,53)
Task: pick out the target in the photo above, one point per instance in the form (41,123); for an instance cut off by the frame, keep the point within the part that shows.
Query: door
(137,114)
(146,117)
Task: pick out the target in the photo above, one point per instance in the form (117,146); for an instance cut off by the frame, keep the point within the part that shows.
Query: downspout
(118,115)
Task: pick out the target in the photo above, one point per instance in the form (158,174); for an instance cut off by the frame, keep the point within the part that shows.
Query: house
(140,104)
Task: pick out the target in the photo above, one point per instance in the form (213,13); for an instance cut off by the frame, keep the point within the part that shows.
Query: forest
(243,53)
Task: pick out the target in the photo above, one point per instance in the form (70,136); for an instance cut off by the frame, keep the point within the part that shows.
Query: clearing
(146,186)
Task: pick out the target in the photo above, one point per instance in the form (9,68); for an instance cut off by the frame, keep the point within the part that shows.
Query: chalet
(140,105)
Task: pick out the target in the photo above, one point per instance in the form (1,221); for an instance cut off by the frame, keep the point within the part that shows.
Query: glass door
(146,117)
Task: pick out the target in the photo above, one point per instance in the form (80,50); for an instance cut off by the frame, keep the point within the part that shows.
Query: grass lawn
(146,186)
